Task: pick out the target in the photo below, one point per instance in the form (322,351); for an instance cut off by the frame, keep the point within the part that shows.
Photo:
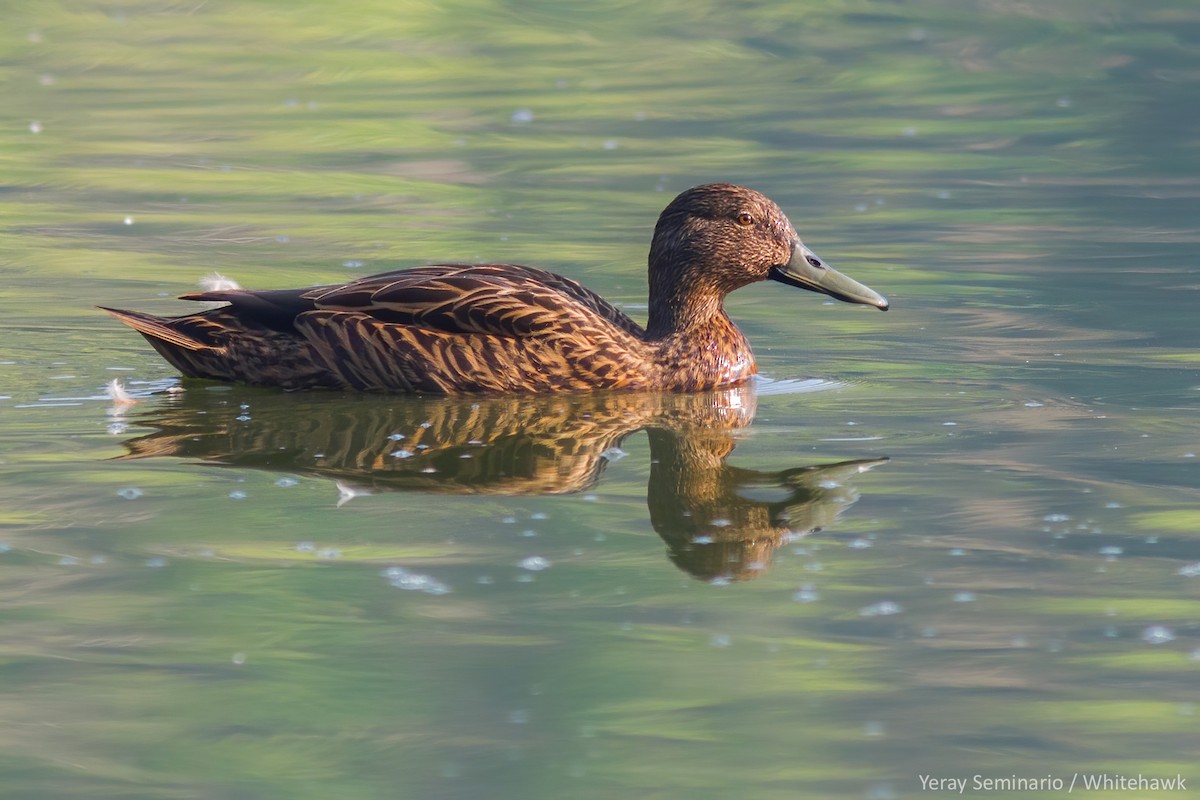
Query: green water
(243,594)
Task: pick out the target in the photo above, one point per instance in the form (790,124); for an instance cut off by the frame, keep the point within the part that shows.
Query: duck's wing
(495,299)
(455,328)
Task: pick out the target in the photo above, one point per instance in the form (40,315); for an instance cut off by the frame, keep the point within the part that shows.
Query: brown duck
(508,328)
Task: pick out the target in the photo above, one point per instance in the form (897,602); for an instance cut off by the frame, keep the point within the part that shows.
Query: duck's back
(442,328)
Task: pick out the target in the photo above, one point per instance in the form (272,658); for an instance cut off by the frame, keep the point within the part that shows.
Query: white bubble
(806,594)
(534,563)
(883,608)
(1158,634)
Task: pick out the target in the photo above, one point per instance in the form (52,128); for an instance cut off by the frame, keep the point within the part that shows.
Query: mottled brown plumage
(508,328)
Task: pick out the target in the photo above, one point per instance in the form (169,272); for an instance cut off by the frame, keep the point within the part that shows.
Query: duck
(508,328)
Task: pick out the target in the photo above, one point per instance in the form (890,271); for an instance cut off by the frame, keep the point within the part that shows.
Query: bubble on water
(415,582)
(806,594)
(5,547)
(68,561)
(1056,518)
(130,493)
(721,640)
(35,127)
(1111,632)
(702,539)
(957,551)
(352,264)
(282,239)
(306,547)
(1034,404)
(1158,634)
(522,116)
(909,130)
(329,553)
(395,437)
(238,659)
(237,494)
(1190,570)
(720,522)
(1063,102)
(287,483)
(873,729)
(485,580)
(539,515)
(508,520)
(611,144)
(156,562)
(883,608)
(964,597)
(613,454)
(860,544)
(518,716)
(534,563)
(403,453)
(943,195)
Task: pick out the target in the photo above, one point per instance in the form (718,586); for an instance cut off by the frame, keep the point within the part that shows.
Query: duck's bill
(809,272)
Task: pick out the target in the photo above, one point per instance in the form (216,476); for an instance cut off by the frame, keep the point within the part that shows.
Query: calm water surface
(958,539)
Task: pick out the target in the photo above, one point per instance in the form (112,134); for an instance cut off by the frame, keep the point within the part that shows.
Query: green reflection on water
(1018,179)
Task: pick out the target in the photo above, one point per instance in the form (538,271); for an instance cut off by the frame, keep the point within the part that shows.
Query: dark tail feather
(158,328)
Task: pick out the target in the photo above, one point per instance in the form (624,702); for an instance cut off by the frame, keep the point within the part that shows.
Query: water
(237,593)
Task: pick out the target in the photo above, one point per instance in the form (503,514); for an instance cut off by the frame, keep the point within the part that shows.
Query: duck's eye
(815,263)
(745,219)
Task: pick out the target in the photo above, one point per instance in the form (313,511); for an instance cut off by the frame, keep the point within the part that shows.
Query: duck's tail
(157,329)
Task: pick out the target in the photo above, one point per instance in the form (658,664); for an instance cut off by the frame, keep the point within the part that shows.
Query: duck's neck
(703,350)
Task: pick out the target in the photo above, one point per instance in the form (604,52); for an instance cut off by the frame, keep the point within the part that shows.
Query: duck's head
(715,238)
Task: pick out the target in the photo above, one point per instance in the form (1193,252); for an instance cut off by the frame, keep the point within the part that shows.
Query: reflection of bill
(719,521)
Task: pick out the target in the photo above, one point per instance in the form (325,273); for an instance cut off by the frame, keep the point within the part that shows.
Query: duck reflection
(718,521)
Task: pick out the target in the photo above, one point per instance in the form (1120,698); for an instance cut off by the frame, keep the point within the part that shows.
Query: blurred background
(242,594)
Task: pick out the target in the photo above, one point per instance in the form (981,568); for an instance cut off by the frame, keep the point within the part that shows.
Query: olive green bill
(808,271)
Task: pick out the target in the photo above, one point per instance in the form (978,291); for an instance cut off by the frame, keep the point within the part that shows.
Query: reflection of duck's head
(724,522)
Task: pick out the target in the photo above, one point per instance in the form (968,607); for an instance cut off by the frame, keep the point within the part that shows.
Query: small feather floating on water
(346,493)
(116,392)
(216,282)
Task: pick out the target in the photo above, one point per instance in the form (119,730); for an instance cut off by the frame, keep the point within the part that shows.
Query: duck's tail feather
(157,328)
